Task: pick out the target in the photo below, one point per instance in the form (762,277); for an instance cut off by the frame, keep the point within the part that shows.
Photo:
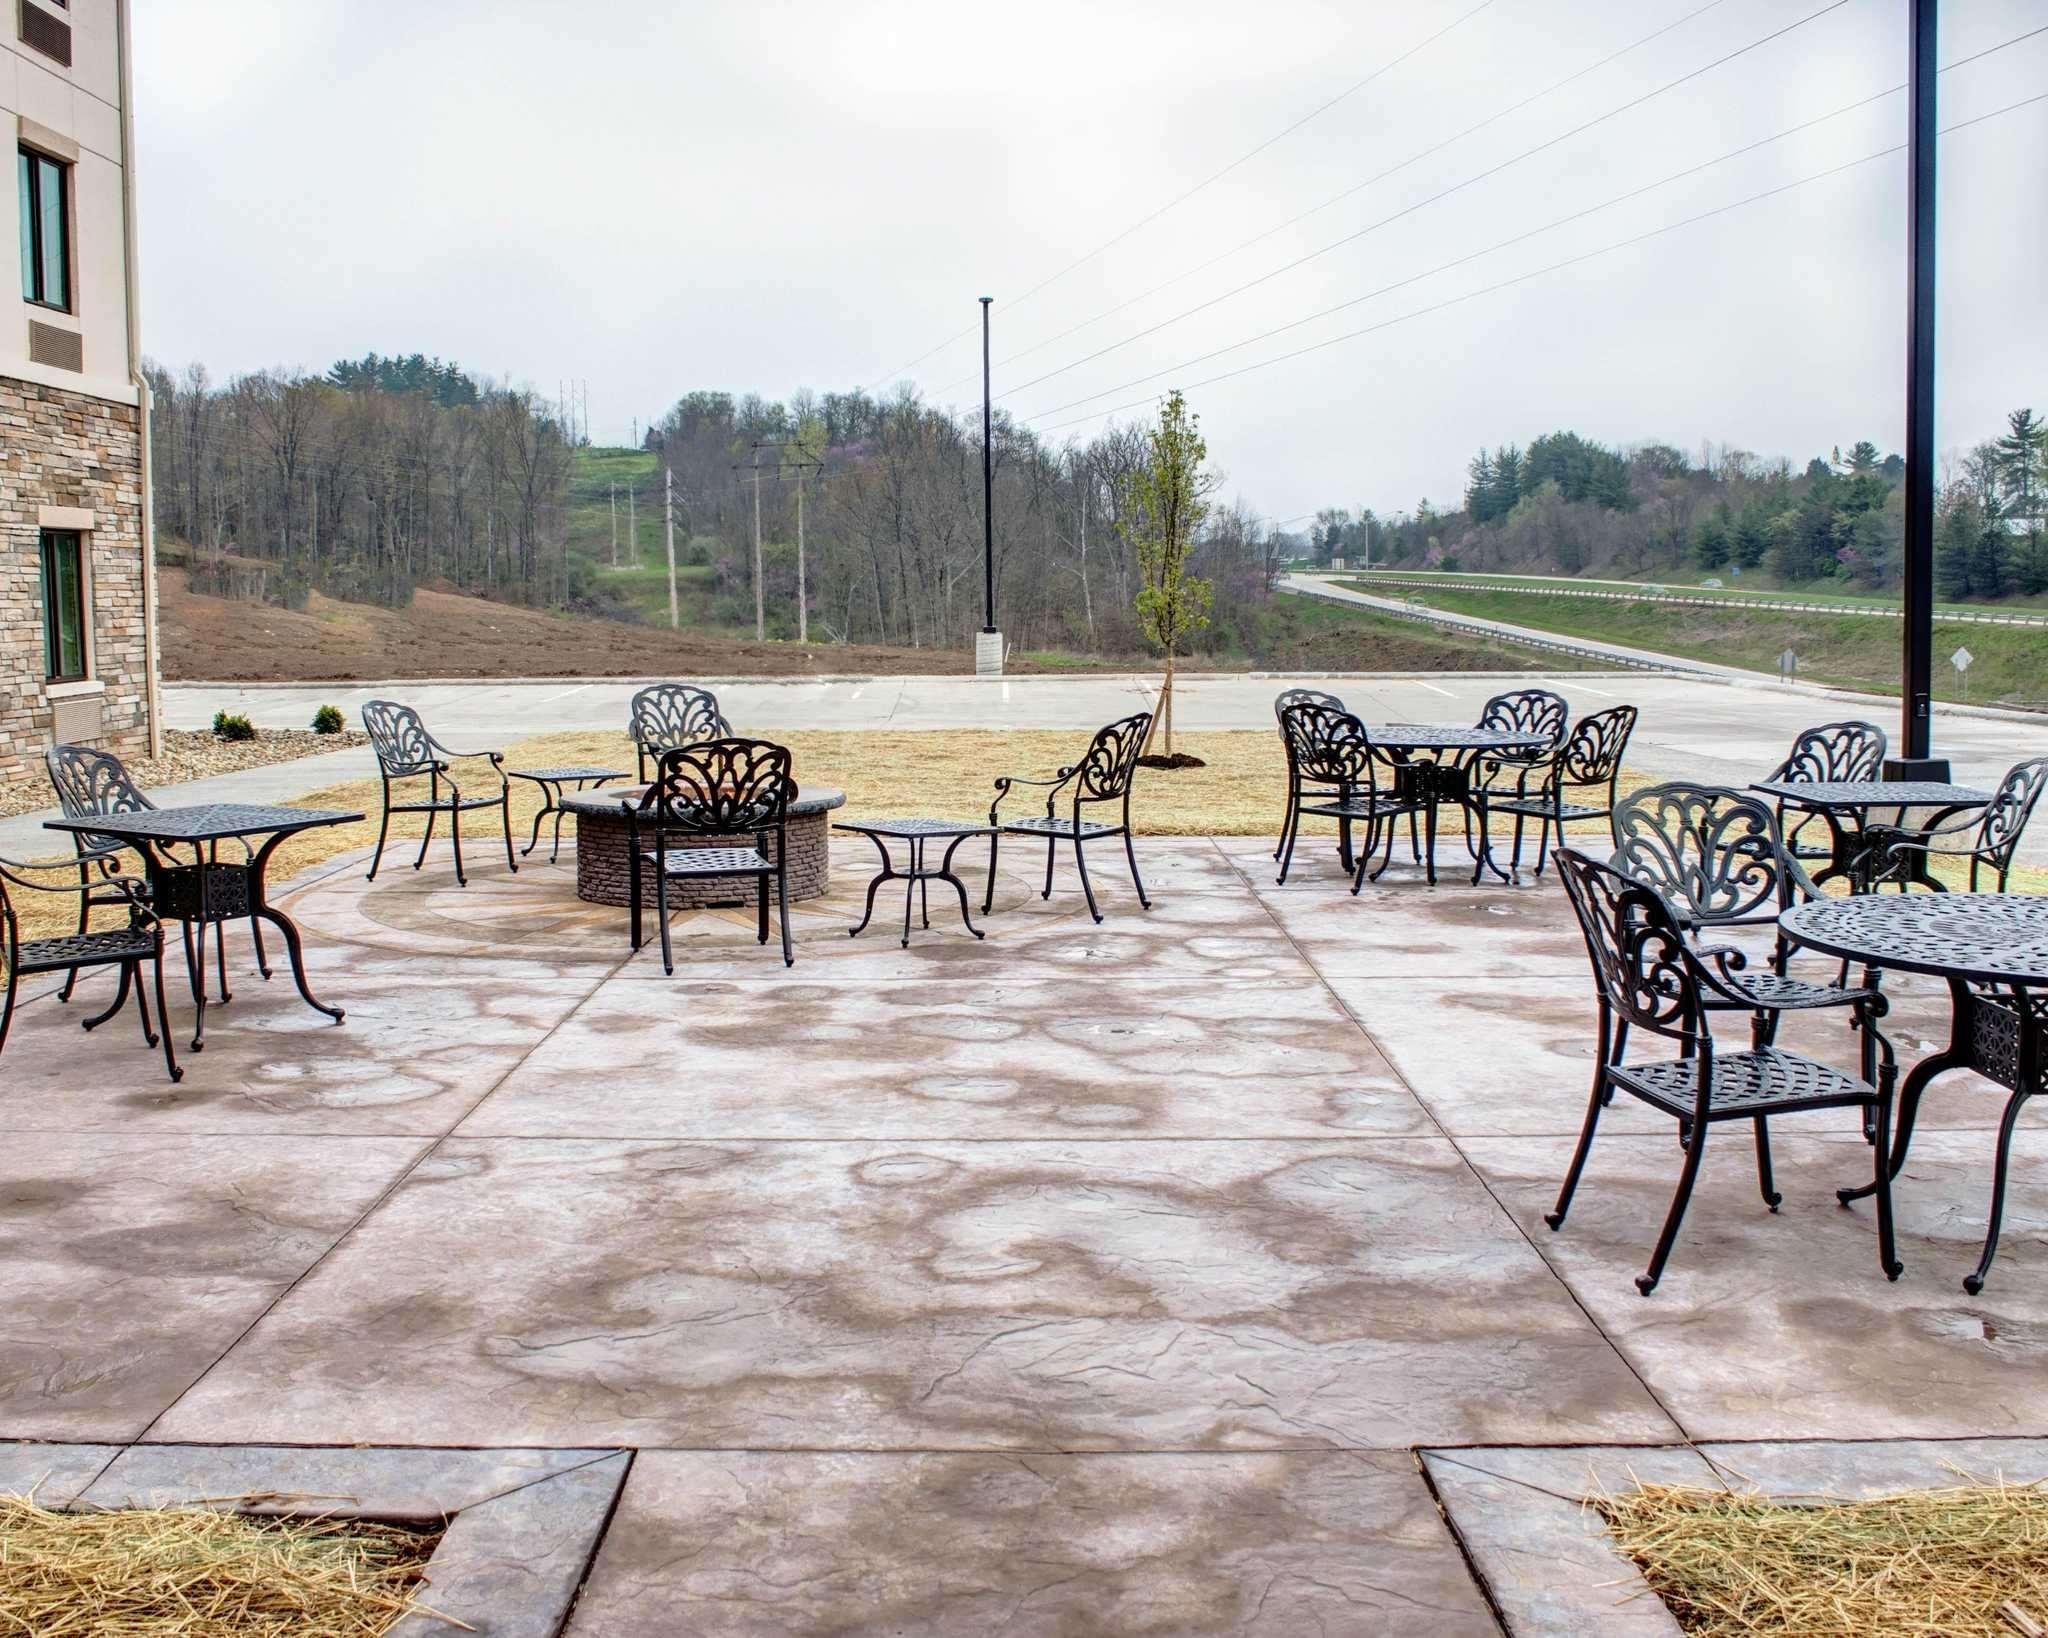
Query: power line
(1554,267)
(1338,198)
(1503,244)
(1183,197)
(1441,194)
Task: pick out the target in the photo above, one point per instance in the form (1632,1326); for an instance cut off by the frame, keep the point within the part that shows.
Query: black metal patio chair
(667,716)
(1104,774)
(1297,788)
(1717,857)
(1833,753)
(714,790)
(126,947)
(1990,837)
(1329,751)
(406,751)
(1522,711)
(1579,782)
(90,784)
(1648,977)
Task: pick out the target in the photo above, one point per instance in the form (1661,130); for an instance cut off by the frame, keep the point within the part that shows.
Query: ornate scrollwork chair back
(399,738)
(720,787)
(1713,852)
(1834,753)
(668,715)
(91,783)
(1636,947)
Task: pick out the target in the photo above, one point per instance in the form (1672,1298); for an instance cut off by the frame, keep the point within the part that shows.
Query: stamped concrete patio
(1085,1279)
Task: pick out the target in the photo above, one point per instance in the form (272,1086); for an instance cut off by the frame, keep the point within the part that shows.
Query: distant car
(1710,585)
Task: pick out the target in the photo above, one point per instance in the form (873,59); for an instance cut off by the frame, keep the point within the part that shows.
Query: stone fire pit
(604,856)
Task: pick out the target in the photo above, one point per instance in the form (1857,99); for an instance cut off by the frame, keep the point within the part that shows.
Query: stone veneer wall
(65,449)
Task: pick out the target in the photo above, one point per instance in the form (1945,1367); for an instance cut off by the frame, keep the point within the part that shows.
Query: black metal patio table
(1433,762)
(1992,949)
(914,833)
(1844,806)
(551,782)
(205,889)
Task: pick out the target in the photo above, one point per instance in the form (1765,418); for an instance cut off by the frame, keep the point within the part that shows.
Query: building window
(63,606)
(45,191)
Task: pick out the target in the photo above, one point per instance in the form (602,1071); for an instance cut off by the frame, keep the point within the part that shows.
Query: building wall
(70,440)
(74,462)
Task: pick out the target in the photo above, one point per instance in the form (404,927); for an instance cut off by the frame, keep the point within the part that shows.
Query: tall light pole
(1916,758)
(988,642)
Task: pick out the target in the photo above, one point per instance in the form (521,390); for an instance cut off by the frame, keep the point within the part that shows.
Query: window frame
(33,249)
(49,543)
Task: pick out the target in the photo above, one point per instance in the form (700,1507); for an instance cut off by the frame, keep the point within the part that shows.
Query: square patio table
(1446,776)
(1844,807)
(206,890)
(914,833)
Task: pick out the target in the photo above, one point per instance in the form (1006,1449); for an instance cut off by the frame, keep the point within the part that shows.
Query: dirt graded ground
(446,634)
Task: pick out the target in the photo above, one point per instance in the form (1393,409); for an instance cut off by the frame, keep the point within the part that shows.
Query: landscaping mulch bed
(1967,1560)
(193,1572)
(195,754)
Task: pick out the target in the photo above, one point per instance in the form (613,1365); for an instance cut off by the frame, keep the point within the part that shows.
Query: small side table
(551,781)
(914,833)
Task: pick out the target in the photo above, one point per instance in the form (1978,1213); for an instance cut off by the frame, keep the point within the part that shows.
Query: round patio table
(1433,762)
(1992,949)
(1844,807)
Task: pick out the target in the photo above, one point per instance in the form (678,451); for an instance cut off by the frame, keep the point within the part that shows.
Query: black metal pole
(988,486)
(1916,738)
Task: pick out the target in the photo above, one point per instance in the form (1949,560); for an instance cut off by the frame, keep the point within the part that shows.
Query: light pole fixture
(988,642)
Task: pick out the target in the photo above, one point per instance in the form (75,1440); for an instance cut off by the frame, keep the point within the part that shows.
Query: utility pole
(668,506)
(760,613)
(1916,759)
(612,489)
(803,610)
(632,527)
(988,644)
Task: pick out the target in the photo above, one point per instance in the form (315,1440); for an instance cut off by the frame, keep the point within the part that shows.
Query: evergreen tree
(1711,540)
(1751,541)
(1955,545)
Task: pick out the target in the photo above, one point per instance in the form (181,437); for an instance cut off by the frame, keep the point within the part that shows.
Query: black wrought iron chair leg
(782,913)
(668,959)
(1543,843)
(760,909)
(1081,863)
(1286,823)
(1974,1282)
(1887,1234)
(540,813)
(7,1002)
(1051,845)
(426,836)
(1286,858)
(505,814)
(1694,1151)
(141,1001)
(84,921)
(1596,1100)
(988,898)
(1515,858)
(1764,1181)
(120,998)
(383,830)
(163,1018)
(1137,881)
(455,836)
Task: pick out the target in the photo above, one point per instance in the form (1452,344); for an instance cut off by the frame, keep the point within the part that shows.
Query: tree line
(366,480)
(1569,505)
(893,524)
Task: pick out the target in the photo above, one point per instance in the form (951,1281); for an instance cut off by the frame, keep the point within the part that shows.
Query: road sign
(1787,663)
(1962,659)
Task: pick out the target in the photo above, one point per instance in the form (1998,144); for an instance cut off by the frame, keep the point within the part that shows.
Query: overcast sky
(655,196)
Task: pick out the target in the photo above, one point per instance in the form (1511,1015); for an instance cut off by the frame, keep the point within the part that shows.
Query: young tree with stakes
(1167,500)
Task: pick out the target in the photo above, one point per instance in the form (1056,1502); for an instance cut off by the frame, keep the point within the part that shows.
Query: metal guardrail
(1468,627)
(1687,599)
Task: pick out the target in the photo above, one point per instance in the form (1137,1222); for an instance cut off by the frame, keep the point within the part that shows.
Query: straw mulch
(1968,1560)
(196,1573)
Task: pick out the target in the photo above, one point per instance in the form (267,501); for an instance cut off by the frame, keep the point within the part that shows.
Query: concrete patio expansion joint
(1457,1148)
(397,1183)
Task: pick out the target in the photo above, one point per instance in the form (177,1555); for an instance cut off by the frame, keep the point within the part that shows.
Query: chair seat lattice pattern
(1745,1084)
(712,861)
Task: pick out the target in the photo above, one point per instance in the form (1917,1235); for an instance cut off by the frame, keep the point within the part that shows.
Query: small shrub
(327,720)
(233,727)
